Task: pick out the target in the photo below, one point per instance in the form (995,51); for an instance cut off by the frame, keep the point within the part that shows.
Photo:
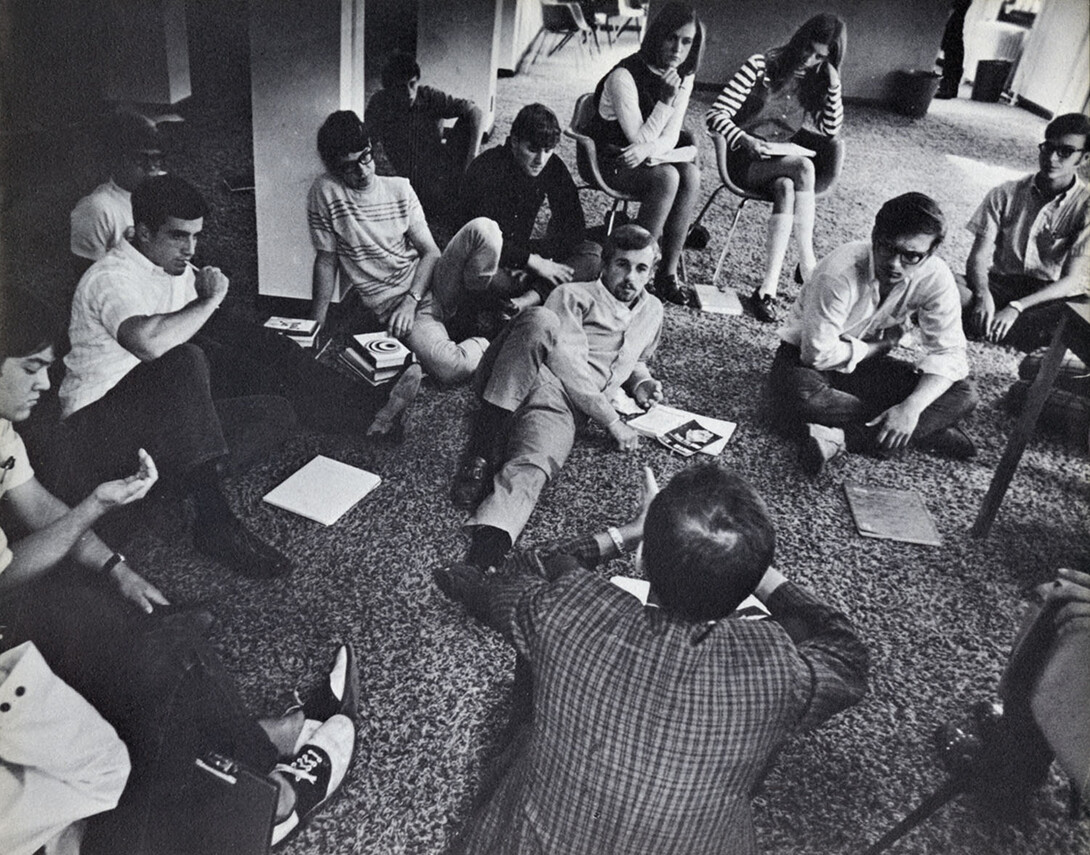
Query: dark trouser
(831,398)
(164,406)
(155,680)
(247,359)
(1035,325)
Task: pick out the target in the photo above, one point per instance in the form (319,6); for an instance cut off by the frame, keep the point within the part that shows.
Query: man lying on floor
(553,369)
(833,377)
(651,726)
(100,627)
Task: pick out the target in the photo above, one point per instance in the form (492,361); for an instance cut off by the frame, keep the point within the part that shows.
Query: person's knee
(803,175)
(688,175)
(664,182)
(537,324)
(783,190)
(485,232)
(185,361)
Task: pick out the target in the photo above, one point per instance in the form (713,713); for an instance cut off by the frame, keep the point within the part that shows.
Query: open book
(662,420)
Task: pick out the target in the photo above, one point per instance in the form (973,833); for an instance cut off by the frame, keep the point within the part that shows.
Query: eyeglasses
(1064,151)
(149,161)
(907,257)
(366,158)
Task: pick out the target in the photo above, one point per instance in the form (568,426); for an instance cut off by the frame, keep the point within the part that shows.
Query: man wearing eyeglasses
(1032,244)
(833,378)
(103,217)
(372,229)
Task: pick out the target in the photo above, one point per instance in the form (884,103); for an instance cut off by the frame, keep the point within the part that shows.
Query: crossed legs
(791,182)
(668,192)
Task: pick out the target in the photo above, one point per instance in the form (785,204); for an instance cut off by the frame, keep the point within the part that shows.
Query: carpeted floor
(938,621)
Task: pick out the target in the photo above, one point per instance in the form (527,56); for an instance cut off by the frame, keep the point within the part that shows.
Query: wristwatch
(112,562)
(413,295)
(1016,305)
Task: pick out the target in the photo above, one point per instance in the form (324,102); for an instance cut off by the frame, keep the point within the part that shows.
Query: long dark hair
(823,29)
(672,18)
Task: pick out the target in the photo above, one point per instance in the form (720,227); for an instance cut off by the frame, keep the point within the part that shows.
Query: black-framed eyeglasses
(908,257)
(366,158)
(149,161)
(1064,151)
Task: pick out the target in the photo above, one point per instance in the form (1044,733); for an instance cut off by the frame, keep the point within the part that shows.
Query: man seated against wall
(112,636)
(553,369)
(407,120)
(833,378)
(102,218)
(1032,247)
(136,379)
(651,726)
(370,229)
(509,184)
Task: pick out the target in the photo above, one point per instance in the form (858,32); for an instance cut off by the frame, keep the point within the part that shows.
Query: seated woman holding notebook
(639,110)
(767,102)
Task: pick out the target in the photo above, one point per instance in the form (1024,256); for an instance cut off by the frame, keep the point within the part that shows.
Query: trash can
(991,76)
(913,91)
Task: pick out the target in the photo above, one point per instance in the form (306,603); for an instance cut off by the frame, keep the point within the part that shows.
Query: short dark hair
(911,214)
(341,133)
(537,126)
(1069,123)
(670,19)
(163,196)
(707,542)
(128,132)
(399,69)
(28,325)
(628,237)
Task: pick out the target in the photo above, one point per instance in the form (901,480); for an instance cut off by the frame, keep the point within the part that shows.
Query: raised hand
(123,491)
(211,284)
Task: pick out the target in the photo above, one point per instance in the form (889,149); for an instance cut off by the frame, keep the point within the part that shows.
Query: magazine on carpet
(324,490)
(718,302)
(749,609)
(889,514)
(688,439)
(661,420)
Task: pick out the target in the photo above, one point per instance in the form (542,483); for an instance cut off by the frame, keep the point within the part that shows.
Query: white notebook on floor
(324,490)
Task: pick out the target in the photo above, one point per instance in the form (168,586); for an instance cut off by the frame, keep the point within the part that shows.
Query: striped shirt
(750,78)
(368,230)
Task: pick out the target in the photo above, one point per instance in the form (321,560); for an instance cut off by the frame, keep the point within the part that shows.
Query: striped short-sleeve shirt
(368,230)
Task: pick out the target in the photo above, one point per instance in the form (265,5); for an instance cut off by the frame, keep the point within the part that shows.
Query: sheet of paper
(782,149)
(323,490)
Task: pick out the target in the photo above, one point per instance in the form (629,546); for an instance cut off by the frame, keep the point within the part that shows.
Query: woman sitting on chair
(639,109)
(767,101)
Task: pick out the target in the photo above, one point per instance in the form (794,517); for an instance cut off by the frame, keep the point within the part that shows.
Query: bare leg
(681,215)
(658,187)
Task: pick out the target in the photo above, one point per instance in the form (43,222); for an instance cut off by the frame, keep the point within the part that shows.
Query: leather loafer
(671,288)
(764,307)
(949,442)
(235,545)
(471,483)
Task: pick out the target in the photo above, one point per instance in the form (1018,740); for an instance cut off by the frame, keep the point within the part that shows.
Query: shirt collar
(1059,196)
(135,257)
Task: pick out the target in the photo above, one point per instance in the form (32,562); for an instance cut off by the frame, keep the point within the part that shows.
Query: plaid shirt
(649,732)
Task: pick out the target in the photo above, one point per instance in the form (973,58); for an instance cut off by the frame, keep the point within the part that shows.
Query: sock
(804,231)
(207,491)
(490,422)
(779,236)
(488,546)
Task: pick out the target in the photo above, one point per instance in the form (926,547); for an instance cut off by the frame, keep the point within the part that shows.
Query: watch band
(112,562)
(618,541)
(1016,305)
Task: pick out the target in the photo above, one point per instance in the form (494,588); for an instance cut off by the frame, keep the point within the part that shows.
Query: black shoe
(821,445)
(669,287)
(232,543)
(471,483)
(764,307)
(798,274)
(488,547)
(949,442)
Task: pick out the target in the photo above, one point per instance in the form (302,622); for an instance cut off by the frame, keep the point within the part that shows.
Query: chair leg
(726,246)
(561,43)
(700,217)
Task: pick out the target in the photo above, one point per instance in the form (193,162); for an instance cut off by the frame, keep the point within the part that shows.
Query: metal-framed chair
(586,159)
(565,20)
(633,14)
(828,168)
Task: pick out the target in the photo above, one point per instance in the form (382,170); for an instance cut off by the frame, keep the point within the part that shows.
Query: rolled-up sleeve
(826,309)
(942,338)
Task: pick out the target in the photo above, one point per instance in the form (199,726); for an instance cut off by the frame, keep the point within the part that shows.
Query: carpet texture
(938,621)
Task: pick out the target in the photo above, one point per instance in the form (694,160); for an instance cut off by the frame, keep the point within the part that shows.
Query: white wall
(1054,72)
(306,60)
(457,46)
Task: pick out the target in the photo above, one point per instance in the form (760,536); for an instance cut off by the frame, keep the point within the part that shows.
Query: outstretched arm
(58,531)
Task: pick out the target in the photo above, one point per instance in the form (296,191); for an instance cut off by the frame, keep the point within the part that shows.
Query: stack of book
(303,332)
(376,358)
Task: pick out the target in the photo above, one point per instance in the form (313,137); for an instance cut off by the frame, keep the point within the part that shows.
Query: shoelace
(300,768)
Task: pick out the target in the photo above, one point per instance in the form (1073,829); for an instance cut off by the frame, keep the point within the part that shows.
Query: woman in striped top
(767,101)
(639,110)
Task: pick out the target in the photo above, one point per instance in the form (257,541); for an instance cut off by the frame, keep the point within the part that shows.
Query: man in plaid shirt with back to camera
(653,725)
